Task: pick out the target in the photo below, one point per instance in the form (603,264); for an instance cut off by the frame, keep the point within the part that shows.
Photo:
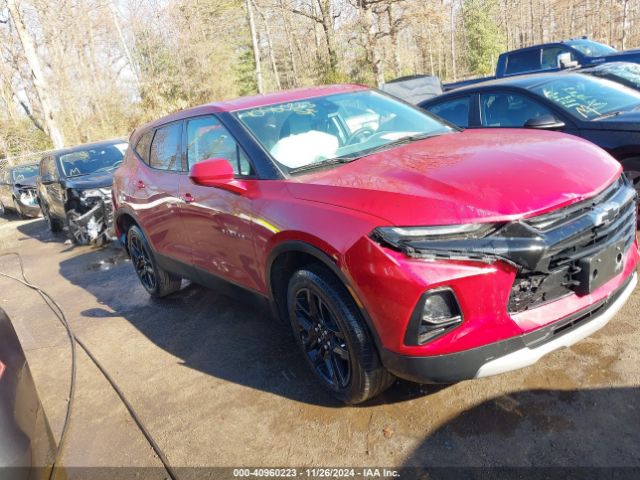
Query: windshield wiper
(322,163)
(615,113)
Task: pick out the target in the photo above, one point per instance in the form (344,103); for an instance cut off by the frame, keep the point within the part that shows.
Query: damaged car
(74,190)
(18,191)
(411,249)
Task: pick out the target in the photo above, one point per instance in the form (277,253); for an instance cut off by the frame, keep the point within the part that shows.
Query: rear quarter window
(142,147)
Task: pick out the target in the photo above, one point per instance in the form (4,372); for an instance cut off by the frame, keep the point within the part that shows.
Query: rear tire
(333,336)
(2,210)
(156,281)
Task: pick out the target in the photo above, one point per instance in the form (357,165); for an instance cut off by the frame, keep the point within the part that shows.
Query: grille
(573,234)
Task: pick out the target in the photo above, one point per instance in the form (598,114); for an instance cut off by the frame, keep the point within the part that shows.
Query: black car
(602,111)
(625,73)
(74,188)
(18,190)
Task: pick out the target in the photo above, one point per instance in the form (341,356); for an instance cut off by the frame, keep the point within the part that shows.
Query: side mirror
(47,179)
(544,122)
(218,173)
(565,61)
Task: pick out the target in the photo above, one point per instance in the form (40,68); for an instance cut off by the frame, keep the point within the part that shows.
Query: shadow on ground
(39,230)
(226,332)
(573,428)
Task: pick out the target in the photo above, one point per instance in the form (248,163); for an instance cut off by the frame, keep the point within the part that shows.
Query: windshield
(625,73)
(588,98)
(98,159)
(590,48)
(21,173)
(348,125)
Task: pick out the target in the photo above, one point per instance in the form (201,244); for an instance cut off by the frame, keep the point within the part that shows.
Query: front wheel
(54,224)
(156,281)
(333,336)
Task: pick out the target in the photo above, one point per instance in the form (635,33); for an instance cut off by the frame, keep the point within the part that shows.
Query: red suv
(394,244)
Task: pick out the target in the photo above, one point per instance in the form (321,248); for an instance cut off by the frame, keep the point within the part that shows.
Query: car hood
(472,176)
(92,180)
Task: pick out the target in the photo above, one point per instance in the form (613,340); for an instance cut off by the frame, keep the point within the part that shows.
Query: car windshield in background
(339,127)
(92,160)
(590,48)
(22,173)
(588,98)
(625,73)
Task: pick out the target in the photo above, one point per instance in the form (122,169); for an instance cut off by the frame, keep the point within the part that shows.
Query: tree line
(73,71)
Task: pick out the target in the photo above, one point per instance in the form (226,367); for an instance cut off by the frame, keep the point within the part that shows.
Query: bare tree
(39,81)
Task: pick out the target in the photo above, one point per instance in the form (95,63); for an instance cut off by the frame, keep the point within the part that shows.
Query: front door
(218,222)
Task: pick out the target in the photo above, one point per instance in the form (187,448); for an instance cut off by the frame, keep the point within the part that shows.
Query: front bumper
(513,353)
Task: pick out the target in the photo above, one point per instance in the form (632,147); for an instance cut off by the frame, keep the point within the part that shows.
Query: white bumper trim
(528,356)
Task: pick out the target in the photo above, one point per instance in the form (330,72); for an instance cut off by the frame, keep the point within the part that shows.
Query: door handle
(187,198)
(140,185)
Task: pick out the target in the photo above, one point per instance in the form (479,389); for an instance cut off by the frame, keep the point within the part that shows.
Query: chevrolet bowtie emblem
(604,213)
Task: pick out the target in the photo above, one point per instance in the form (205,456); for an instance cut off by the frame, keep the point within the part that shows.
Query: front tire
(155,280)
(54,224)
(333,337)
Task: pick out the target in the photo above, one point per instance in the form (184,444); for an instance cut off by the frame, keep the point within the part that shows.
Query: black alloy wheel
(323,341)
(141,260)
(333,336)
(156,281)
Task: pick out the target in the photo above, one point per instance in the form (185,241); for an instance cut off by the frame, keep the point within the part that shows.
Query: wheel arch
(291,255)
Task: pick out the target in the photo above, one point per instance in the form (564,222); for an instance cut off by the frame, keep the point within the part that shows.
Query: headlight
(396,235)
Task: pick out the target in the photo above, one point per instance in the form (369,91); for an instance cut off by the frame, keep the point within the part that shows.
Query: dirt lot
(219,383)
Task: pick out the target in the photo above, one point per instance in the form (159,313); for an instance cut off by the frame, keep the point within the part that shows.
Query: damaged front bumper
(572,250)
(91,221)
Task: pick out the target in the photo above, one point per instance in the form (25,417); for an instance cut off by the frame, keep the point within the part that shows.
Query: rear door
(218,222)
(155,195)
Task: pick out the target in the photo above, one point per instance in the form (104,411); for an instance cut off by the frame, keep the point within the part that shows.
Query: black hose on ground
(73,339)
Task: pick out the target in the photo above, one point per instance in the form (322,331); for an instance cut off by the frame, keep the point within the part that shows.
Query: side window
(509,110)
(521,62)
(550,57)
(165,148)
(208,138)
(142,147)
(455,111)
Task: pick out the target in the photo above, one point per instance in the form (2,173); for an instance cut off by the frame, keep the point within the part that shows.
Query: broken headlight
(396,236)
(93,192)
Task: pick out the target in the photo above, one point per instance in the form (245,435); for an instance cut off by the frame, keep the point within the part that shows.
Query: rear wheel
(333,336)
(156,281)
(2,211)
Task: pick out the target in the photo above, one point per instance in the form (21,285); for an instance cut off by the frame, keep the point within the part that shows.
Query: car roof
(22,165)
(525,82)
(254,101)
(84,146)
